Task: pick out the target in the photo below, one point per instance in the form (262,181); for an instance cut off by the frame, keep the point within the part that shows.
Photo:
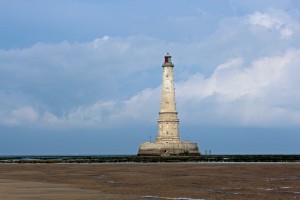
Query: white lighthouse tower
(168,121)
(168,141)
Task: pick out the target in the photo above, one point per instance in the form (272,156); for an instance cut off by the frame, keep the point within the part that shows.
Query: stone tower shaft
(168,121)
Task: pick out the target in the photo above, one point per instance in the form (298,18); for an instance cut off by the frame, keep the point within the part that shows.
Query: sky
(84,77)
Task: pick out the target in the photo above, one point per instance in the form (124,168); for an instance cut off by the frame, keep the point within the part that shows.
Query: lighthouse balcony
(168,140)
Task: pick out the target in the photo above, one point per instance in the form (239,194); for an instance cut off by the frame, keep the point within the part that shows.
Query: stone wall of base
(173,149)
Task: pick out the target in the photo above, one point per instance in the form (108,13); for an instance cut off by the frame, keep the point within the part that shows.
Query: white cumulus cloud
(115,81)
(246,95)
(276,21)
(19,116)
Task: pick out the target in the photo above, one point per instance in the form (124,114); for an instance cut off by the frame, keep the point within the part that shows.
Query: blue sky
(83,77)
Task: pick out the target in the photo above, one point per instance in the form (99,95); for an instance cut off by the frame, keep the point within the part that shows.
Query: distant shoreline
(149,159)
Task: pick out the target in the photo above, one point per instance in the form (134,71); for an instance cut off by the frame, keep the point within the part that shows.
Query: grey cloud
(104,81)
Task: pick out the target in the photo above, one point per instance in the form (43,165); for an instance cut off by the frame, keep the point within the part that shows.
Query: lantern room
(168,58)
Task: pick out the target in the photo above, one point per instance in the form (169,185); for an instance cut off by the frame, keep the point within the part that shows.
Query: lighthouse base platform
(169,149)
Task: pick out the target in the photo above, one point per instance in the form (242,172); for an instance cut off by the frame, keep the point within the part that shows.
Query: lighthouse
(168,121)
(168,142)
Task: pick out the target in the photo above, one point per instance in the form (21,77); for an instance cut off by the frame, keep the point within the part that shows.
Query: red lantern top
(168,58)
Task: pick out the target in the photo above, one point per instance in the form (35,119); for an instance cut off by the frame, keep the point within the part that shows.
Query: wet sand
(150,181)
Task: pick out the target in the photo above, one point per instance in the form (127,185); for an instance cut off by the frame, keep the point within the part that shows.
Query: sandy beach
(150,181)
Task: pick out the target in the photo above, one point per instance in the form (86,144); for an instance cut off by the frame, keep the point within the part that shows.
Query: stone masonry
(168,141)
